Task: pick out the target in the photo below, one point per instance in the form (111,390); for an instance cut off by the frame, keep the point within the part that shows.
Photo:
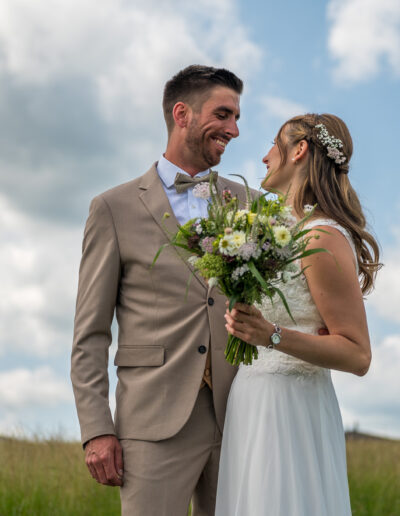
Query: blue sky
(80,104)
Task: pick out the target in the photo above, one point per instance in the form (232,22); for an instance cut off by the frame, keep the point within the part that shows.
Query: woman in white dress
(283,450)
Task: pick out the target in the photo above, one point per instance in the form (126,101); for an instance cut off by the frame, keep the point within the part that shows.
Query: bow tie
(184,181)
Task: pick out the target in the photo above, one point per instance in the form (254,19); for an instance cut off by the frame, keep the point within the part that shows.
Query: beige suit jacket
(160,367)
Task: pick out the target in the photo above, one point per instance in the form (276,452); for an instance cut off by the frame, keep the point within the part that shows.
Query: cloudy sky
(80,110)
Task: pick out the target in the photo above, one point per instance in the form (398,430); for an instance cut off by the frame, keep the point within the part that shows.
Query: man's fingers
(111,474)
(104,460)
(119,462)
(95,465)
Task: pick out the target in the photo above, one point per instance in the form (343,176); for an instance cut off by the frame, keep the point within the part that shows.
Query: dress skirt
(283,449)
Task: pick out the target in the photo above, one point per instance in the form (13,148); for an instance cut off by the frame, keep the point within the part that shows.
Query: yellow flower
(282,235)
(251,217)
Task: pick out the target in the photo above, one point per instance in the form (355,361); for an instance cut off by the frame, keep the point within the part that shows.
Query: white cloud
(364,35)
(23,387)
(82,87)
(373,401)
(38,277)
(128,49)
(281,109)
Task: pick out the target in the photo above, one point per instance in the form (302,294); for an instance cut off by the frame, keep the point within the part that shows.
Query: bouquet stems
(238,351)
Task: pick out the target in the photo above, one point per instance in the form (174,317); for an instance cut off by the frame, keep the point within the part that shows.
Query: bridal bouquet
(246,252)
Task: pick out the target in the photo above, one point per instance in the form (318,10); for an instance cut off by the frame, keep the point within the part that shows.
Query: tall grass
(374,477)
(49,478)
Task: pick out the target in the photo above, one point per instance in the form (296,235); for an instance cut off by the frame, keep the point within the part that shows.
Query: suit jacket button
(202,349)
(210,301)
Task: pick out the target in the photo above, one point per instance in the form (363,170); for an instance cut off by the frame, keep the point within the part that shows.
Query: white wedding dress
(283,448)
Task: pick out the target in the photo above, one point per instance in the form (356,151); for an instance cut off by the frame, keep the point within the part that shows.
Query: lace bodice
(305,313)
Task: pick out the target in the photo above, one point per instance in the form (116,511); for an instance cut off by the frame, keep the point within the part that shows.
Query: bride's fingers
(237,333)
(232,321)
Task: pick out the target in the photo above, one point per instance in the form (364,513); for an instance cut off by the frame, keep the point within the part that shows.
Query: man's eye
(221,116)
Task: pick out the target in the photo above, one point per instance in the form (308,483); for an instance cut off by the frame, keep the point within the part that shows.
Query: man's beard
(202,157)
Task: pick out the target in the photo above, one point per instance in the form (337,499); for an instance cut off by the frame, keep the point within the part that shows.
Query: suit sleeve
(99,276)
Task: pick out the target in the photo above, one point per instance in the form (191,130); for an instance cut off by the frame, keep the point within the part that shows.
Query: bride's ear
(301,151)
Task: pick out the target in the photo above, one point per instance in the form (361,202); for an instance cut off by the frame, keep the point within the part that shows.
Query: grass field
(49,478)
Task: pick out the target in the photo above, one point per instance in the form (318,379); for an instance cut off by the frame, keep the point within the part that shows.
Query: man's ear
(180,112)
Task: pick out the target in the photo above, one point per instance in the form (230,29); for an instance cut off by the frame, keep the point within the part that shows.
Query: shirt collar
(167,172)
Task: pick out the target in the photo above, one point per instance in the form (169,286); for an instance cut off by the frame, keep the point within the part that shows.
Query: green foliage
(49,478)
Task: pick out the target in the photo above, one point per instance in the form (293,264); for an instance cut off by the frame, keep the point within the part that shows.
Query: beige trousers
(161,477)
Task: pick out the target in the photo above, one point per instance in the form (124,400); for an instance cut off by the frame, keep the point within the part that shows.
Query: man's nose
(233,129)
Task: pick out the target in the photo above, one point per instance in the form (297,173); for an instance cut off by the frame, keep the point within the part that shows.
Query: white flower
(226,245)
(307,208)
(239,271)
(193,260)
(249,250)
(263,219)
(290,221)
(230,243)
(199,229)
(202,190)
(212,282)
(286,211)
(239,238)
(282,235)
(241,215)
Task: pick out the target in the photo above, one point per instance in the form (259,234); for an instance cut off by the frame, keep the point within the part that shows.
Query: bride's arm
(336,292)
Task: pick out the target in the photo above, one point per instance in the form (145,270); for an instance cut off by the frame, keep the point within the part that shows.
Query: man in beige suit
(173,381)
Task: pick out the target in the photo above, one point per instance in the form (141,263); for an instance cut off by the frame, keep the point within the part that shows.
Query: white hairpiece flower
(332,144)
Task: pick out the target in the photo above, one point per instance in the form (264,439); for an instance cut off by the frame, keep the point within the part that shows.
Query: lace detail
(305,313)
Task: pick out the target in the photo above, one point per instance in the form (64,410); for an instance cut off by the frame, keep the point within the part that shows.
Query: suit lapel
(157,204)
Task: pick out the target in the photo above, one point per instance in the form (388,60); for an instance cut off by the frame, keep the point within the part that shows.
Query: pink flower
(207,244)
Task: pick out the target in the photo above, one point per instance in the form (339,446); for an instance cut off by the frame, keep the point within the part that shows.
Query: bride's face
(278,176)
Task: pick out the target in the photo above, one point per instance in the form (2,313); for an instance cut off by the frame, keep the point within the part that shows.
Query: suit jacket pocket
(139,356)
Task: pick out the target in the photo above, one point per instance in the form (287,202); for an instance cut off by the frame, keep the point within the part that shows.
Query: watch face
(275,338)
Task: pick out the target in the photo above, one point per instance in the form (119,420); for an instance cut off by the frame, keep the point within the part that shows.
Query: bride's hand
(247,323)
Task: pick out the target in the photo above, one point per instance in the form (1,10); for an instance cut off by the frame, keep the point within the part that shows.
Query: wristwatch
(275,337)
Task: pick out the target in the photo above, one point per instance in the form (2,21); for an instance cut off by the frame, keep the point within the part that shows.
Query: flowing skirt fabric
(283,449)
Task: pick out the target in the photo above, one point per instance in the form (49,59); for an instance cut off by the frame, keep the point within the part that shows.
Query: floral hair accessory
(332,144)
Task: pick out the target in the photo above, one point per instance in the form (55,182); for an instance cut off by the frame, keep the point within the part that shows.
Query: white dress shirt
(184,205)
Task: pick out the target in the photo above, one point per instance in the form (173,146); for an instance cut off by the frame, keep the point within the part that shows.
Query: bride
(283,450)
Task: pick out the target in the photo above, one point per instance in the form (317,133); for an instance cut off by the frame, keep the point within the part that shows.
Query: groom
(164,443)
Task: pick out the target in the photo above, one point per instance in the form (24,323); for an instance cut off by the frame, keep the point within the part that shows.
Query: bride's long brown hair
(327,185)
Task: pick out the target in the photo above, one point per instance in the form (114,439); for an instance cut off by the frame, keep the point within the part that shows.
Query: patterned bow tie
(184,181)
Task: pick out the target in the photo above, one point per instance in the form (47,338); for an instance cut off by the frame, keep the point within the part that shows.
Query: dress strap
(334,224)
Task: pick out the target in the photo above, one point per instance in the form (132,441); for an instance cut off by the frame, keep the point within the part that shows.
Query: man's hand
(104,460)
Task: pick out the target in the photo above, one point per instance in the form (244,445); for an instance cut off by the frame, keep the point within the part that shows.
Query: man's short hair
(190,86)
